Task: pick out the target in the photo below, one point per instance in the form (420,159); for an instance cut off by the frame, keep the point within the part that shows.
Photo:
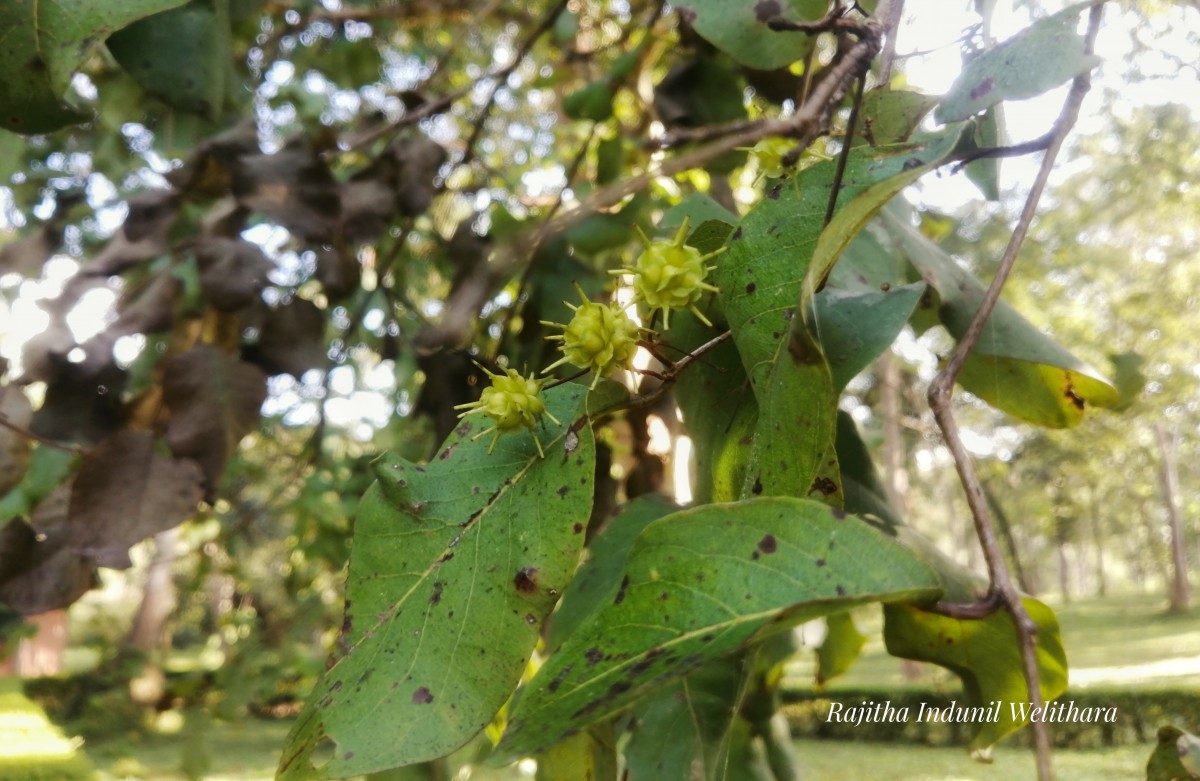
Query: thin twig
(844,157)
(941,392)
(667,377)
(24,432)
(499,78)
(891,24)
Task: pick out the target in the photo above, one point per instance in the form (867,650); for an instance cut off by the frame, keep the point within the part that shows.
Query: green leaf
(777,259)
(984,173)
(455,567)
(840,649)
(864,490)
(182,56)
(984,653)
(740,29)
(697,208)
(855,328)
(1014,366)
(48,467)
(591,101)
(894,113)
(598,579)
(1035,60)
(718,408)
(610,159)
(590,755)
(687,728)
(700,584)
(1175,757)
(44,44)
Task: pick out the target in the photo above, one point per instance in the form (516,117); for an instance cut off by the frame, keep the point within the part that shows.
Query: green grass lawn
(247,752)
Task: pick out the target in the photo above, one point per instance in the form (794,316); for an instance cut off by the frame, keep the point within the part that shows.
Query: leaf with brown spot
(722,598)
(449,588)
(214,400)
(124,492)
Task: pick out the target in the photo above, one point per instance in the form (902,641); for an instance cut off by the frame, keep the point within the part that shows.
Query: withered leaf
(214,400)
(124,492)
(83,404)
(291,339)
(39,570)
(14,447)
(293,188)
(419,158)
(144,235)
(28,254)
(207,172)
(338,272)
(151,308)
(232,271)
(368,205)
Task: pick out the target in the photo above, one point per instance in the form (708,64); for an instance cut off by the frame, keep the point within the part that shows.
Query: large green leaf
(777,259)
(686,731)
(599,577)
(740,29)
(1014,366)
(182,56)
(454,569)
(44,43)
(855,328)
(700,584)
(985,655)
(1037,59)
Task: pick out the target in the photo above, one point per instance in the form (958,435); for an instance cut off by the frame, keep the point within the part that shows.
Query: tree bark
(1179,592)
(158,597)
(1097,545)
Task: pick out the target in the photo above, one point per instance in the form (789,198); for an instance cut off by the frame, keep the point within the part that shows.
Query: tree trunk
(1064,584)
(158,597)
(1179,591)
(1097,545)
(148,635)
(41,654)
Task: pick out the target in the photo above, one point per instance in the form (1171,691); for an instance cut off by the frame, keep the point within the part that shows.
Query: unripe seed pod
(512,402)
(600,338)
(670,275)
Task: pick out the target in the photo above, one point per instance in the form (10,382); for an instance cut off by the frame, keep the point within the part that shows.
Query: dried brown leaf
(293,188)
(28,254)
(14,447)
(124,492)
(38,569)
(143,237)
(232,272)
(291,339)
(83,404)
(214,400)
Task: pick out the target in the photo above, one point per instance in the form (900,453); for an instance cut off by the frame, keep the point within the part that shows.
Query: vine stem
(941,392)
